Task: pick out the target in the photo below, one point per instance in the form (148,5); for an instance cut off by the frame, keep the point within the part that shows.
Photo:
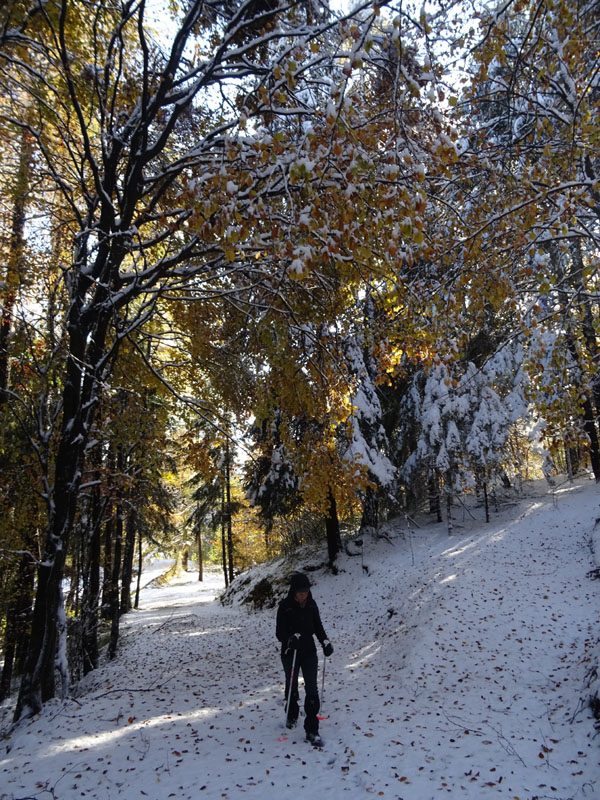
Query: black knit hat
(299,582)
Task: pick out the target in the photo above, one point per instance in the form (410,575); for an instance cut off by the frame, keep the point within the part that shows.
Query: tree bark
(91,588)
(589,418)
(200,557)
(15,257)
(79,402)
(486,501)
(128,554)
(435,506)
(107,563)
(370,515)
(37,685)
(138,584)
(223,538)
(17,622)
(587,321)
(229,523)
(115,609)
(332,530)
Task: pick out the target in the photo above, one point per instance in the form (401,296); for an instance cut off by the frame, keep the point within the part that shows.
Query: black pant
(309,665)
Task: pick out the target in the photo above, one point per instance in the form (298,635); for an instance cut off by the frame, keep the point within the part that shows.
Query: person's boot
(314,739)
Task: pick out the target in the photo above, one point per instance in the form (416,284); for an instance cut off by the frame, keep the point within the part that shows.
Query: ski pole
(323,688)
(289,697)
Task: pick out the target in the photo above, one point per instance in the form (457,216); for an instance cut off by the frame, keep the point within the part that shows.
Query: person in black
(298,620)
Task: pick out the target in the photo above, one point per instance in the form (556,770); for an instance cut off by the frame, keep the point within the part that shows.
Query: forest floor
(460,670)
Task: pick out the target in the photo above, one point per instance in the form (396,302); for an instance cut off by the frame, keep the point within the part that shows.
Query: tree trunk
(139,575)
(10,646)
(229,528)
(587,321)
(37,684)
(185,559)
(115,610)
(91,572)
(15,256)
(75,571)
(571,462)
(268,529)
(449,522)
(486,501)
(200,556)
(107,563)
(91,587)
(109,538)
(114,594)
(435,506)
(17,622)
(332,530)
(128,554)
(84,367)
(589,418)
(223,538)
(589,425)
(505,479)
(370,516)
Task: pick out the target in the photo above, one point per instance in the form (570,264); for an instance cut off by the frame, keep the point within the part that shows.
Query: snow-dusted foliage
(368,442)
(272,483)
(463,417)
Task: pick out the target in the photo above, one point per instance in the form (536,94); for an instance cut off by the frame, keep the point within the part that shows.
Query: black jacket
(292,618)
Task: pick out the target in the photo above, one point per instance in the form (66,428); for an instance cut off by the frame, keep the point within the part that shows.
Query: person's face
(301,597)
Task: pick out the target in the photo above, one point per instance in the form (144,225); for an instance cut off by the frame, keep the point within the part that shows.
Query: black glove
(327,648)
(293,643)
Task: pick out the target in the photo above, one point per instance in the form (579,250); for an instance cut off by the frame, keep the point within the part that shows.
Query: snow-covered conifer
(367,441)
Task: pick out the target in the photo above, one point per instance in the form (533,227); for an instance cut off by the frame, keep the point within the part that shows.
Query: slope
(459,670)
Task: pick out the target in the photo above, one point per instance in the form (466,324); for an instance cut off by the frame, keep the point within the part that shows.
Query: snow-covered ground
(459,671)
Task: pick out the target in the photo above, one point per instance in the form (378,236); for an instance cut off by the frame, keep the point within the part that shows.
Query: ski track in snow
(458,671)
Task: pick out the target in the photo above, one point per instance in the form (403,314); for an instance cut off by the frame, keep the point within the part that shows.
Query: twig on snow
(126,689)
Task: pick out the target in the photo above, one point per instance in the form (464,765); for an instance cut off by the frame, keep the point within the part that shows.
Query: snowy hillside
(459,671)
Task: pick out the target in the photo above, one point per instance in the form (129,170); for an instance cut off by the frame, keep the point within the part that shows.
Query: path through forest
(459,670)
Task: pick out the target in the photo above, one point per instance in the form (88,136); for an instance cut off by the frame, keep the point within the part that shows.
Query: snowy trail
(489,650)
(457,675)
